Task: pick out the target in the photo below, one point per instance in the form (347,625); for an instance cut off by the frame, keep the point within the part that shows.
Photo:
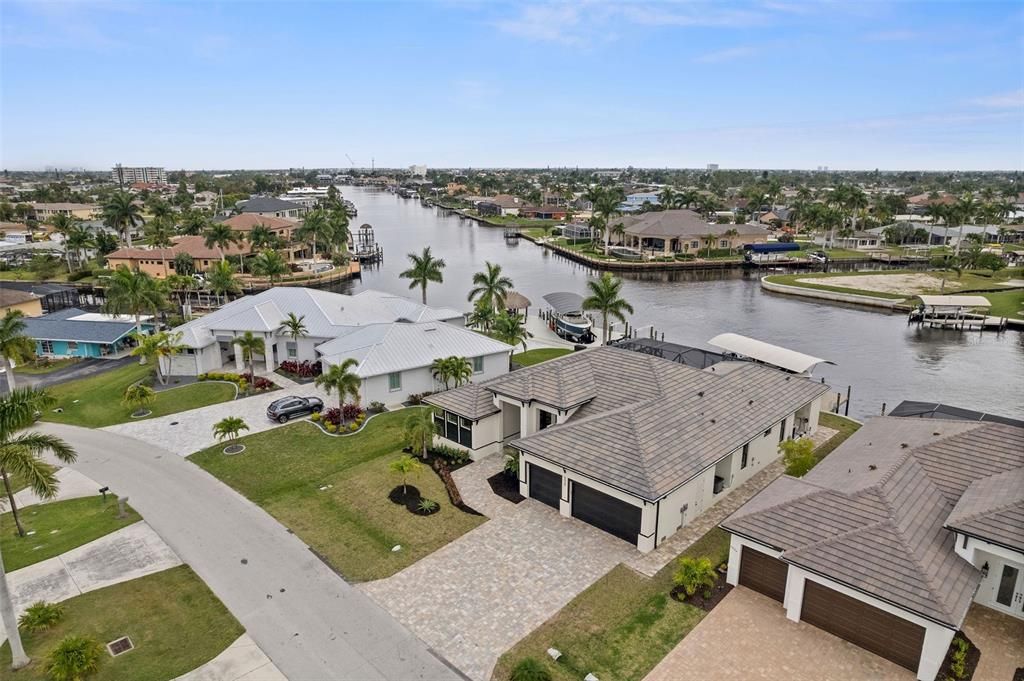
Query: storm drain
(120,646)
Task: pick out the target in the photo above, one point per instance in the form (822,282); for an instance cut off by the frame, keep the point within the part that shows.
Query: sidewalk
(243,660)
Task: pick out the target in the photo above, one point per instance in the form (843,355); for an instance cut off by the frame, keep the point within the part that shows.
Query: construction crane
(351,161)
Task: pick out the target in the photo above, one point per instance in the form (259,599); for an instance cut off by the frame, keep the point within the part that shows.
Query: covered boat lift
(956,312)
(773,355)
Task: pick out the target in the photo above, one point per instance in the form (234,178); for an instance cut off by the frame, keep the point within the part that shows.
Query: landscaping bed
(301,372)
(961,660)
(344,420)
(505,486)
(45,365)
(705,600)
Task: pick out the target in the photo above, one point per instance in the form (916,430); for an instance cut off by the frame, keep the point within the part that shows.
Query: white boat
(306,191)
(568,319)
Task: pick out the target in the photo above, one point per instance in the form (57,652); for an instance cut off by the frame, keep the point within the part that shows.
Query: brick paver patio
(1000,638)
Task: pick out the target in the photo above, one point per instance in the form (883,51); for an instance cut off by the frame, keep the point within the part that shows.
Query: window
(455,428)
(768,432)
(782,431)
(478,365)
(546,419)
(694,244)
(72,346)
(395,381)
(293,349)
(47,347)
(745,456)
(723,243)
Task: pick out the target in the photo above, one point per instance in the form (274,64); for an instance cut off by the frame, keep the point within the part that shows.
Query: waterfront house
(636,445)
(72,332)
(858,241)
(888,541)
(269,206)
(23,301)
(544,212)
(159,262)
(502,204)
(684,231)
(284,228)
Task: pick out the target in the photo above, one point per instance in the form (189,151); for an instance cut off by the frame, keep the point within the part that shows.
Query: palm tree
(63,224)
(482,317)
(339,377)
(314,227)
(137,397)
(608,205)
(20,454)
(123,214)
(250,346)
(133,293)
(491,287)
(229,427)
(157,347)
(667,198)
(965,209)
(454,368)
(338,222)
(270,264)
(425,269)
(294,327)
(510,328)
(709,239)
(78,240)
(731,234)
(193,223)
(15,346)
(261,236)
(604,298)
(158,233)
(220,236)
(221,279)
(404,466)
(419,430)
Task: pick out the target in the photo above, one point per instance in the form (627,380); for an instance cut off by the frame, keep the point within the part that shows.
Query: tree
(220,278)
(138,396)
(315,227)
(965,210)
(133,293)
(229,428)
(482,317)
(605,298)
(184,264)
(78,240)
(509,327)
(158,234)
(63,224)
(448,369)
(338,222)
(250,345)
(123,214)
(340,378)
(607,205)
(75,658)
(419,430)
(667,198)
(15,346)
(221,236)
(105,242)
(693,573)
(294,326)
(798,456)
(193,223)
(425,269)
(157,347)
(731,234)
(269,264)
(491,287)
(262,237)
(405,466)
(709,239)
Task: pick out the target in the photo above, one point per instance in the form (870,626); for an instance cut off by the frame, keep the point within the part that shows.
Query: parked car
(290,407)
(818,256)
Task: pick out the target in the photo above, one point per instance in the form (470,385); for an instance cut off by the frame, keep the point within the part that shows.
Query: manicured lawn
(59,527)
(95,401)
(845,426)
(1007,304)
(350,522)
(174,621)
(967,281)
(46,367)
(531,357)
(620,627)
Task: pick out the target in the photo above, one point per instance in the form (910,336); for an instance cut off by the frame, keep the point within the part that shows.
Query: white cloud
(550,23)
(1004,100)
(728,54)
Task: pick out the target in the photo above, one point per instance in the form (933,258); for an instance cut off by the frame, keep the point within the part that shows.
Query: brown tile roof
(246,221)
(992,509)
(193,245)
(472,401)
(872,514)
(9,296)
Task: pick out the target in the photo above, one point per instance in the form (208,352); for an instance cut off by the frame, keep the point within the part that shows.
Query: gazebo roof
(516,301)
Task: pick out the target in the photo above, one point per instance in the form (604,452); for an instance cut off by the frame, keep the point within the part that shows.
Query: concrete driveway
(310,622)
(72,372)
(748,638)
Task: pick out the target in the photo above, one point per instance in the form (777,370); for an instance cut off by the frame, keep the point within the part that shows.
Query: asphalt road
(309,621)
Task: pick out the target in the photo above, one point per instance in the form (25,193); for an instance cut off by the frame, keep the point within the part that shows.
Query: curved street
(309,621)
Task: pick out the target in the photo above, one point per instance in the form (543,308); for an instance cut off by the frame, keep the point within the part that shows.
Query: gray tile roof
(268,204)
(472,401)
(872,514)
(992,509)
(60,326)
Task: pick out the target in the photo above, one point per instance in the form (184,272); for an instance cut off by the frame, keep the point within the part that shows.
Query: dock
(962,313)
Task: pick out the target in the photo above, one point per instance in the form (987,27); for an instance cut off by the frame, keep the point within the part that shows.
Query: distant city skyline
(777,84)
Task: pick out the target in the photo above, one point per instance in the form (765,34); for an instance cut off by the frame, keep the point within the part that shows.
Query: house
(636,201)
(282,227)
(502,204)
(636,445)
(159,262)
(209,340)
(51,296)
(544,212)
(46,211)
(858,241)
(684,231)
(889,540)
(394,358)
(72,332)
(776,216)
(269,206)
(25,302)
(577,231)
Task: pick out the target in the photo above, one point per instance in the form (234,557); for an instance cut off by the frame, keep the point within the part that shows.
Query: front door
(1009,588)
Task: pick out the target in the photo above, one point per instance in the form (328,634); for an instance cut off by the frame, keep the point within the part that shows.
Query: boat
(350,208)
(568,319)
(299,192)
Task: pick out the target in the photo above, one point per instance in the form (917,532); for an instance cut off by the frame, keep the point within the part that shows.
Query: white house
(889,540)
(633,444)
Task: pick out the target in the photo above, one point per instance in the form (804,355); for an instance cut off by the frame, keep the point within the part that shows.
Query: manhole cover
(120,646)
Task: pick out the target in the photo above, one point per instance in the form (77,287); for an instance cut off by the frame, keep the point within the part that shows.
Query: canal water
(876,353)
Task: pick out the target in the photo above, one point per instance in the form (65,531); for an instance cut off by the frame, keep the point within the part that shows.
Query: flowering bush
(258,383)
(351,412)
(304,369)
(354,427)
(331,416)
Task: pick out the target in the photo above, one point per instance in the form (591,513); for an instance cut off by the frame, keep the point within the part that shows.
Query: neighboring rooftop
(73,324)
(268,204)
(9,296)
(775,355)
(246,221)
(193,245)
(935,410)
(681,223)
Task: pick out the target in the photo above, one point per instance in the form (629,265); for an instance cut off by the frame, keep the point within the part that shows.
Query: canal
(876,353)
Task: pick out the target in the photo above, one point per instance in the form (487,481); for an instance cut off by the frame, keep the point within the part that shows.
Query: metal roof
(564,302)
(955,301)
(268,204)
(936,410)
(62,326)
(784,358)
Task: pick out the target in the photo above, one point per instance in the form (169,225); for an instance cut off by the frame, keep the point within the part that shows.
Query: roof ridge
(818,492)
(929,577)
(989,511)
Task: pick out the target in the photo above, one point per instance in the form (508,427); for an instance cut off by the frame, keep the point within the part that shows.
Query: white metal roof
(777,356)
(385,348)
(955,301)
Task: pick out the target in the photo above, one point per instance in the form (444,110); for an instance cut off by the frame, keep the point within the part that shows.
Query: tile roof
(11,296)
(193,245)
(681,222)
(992,509)
(246,221)
(872,514)
(268,204)
(472,401)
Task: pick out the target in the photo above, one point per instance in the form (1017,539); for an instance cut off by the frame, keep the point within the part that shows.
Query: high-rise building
(127,175)
(418,170)
(712,167)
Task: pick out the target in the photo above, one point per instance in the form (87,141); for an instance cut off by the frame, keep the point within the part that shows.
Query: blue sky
(768,84)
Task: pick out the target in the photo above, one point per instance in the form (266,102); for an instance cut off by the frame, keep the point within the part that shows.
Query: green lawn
(1007,303)
(845,426)
(531,357)
(59,526)
(967,281)
(45,366)
(173,619)
(620,627)
(351,522)
(95,401)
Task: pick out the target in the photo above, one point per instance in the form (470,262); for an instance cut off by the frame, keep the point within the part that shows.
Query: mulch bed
(410,498)
(973,656)
(718,592)
(506,487)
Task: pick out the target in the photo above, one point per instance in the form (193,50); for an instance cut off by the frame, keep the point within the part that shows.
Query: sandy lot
(887,283)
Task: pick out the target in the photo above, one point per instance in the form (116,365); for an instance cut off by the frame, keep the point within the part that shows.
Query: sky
(466,83)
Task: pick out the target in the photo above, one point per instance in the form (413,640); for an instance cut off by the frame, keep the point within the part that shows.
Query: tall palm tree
(79,239)
(510,328)
(425,269)
(270,264)
(315,227)
(133,292)
(709,239)
(15,346)
(193,223)
(419,430)
(20,454)
(250,345)
(731,234)
(157,347)
(605,298)
(294,327)
(159,232)
(221,279)
(966,210)
(491,286)
(338,222)
(63,224)
(221,236)
(340,378)
(123,214)
(667,198)
(482,317)
(454,368)
(607,206)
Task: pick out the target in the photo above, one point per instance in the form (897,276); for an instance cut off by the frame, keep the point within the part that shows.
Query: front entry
(545,486)
(1006,587)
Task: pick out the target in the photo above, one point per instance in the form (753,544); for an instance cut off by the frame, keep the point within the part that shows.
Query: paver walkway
(650,563)
(1000,638)
(748,638)
(241,661)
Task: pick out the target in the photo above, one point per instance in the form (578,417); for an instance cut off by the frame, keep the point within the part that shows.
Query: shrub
(353,427)
(694,573)
(376,406)
(75,658)
(427,505)
(304,369)
(332,428)
(529,669)
(315,416)
(511,468)
(79,275)
(40,615)
(798,456)
(417,398)
(455,457)
(350,412)
(331,416)
(959,663)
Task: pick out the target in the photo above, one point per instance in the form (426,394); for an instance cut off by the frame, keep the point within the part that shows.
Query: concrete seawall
(891,304)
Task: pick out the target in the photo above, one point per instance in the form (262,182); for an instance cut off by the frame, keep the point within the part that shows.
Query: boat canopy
(565,302)
(955,301)
(783,358)
(773,247)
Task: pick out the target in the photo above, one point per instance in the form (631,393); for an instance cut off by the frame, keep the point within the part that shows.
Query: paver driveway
(748,638)
(475,598)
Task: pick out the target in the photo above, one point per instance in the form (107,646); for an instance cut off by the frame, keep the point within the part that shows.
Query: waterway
(876,353)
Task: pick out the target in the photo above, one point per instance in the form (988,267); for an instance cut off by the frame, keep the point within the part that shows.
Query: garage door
(545,486)
(882,633)
(763,573)
(606,512)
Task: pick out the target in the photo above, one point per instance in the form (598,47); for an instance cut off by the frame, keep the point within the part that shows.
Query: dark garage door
(763,573)
(882,633)
(545,486)
(605,512)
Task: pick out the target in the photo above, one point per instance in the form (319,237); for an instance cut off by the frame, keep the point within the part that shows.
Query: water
(876,353)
